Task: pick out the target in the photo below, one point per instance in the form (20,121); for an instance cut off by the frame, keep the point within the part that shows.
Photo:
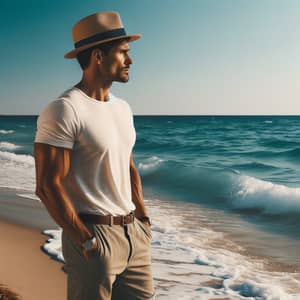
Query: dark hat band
(101,36)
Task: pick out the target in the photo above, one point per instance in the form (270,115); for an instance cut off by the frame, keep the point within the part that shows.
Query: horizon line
(176,115)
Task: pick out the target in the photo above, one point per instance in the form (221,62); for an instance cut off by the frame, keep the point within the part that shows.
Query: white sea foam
(53,244)
(268,121)
(271,198)
(29,196)
(149,165)
(187,264)
(17,158)
(2,131)
(17,171)
(192,260)
(8,146)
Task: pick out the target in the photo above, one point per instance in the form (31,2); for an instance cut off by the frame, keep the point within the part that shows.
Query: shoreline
(25,269)
(193,259)
(18,208)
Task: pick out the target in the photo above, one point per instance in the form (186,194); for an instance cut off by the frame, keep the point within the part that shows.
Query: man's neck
(96,90)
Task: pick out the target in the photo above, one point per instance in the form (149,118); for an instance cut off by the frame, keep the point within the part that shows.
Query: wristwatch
(145,219)
(89,244)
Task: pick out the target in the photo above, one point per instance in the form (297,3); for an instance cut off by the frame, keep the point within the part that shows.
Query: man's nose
(129,60)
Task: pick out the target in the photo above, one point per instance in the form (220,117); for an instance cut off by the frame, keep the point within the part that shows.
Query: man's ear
(97,55)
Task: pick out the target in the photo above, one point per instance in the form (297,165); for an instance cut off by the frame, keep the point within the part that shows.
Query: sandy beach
(25,269)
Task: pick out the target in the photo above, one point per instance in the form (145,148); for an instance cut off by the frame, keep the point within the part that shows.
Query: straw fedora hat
(97,29)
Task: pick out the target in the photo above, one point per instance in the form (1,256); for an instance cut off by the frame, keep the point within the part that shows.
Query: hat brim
(74,52)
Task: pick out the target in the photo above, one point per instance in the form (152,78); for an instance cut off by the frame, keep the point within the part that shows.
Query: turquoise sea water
(247,165)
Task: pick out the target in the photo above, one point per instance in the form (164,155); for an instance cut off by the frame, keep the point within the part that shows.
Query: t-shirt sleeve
(57,125)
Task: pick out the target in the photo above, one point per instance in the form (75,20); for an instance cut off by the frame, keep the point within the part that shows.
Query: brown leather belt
(107,220)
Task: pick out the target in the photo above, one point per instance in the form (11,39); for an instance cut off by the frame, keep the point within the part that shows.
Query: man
(86,175)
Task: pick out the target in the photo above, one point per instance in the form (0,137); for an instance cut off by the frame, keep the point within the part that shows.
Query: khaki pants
(121,269)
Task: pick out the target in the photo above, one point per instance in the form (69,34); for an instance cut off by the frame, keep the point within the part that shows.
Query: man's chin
(123,79)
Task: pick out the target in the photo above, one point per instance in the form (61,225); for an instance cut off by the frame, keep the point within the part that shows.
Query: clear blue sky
(195,56)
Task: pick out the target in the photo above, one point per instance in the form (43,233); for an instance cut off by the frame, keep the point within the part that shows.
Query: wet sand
(25,269)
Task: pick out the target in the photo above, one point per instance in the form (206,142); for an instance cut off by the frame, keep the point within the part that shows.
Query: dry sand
(25,269)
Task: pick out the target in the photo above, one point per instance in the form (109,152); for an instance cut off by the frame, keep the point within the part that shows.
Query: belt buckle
(111,220)
(132,216)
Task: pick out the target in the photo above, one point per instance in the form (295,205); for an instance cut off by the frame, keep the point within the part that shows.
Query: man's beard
(122,78)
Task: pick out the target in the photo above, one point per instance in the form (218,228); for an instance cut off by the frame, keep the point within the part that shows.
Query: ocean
(224,194)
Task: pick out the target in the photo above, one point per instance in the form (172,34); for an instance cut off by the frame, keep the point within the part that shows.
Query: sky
(196,57)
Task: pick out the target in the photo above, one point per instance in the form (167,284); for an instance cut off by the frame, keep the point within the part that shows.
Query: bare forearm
(62,211)
(137,193)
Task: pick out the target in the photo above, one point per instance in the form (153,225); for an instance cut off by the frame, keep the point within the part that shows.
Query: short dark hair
(84,56)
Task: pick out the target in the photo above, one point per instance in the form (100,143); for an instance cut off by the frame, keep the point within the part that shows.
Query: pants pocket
(145,228)
(71,251)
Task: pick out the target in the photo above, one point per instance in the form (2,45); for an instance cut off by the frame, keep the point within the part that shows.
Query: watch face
(87,245)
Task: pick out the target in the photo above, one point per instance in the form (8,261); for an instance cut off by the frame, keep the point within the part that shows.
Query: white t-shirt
(101,136)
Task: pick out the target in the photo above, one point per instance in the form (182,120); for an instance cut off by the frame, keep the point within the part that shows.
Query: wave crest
(149,165)
(2,131)
(220,187)
(8,146)
(17,158)
(269,197)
